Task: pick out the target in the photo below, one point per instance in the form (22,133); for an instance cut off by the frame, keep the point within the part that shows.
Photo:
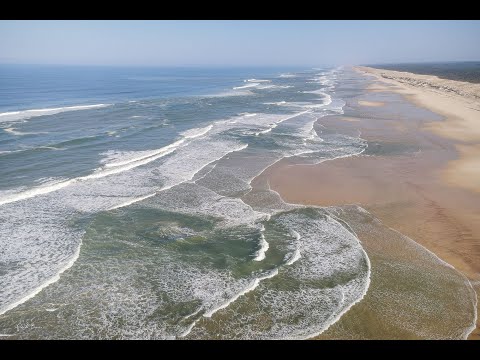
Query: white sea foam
(109,186)
(26,114)
(132,201)
(115,168)
(304,105)
(51,148)
(221,181)
(276,103)
(188,330)
(193,133)
(343,303)
(279,121)
(330,249)
(134,159)
(319,266)
(296,256)
(321,92)
(13,197)
(229,93)
(272,86)
(257,80)
(136,156)
(246,290)
(14,131)
(249,85)
(184,167)
(316,92)
(287,75)
(193,314)
(359,297)
(327,247)
(208,172)
(109,170)
(68,264)
(328,100)
(260,255)
(266,131)
(86,198)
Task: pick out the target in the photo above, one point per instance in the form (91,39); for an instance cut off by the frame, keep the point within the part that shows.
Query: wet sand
(459,103)
(416,176)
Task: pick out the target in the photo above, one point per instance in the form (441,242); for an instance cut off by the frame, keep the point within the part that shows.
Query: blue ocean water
(127,211)
(26,87)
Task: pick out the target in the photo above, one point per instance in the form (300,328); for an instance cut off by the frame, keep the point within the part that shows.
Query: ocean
(127,211)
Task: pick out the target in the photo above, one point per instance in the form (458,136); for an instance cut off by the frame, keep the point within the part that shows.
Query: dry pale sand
(459,102)
(427,187)
(465,170)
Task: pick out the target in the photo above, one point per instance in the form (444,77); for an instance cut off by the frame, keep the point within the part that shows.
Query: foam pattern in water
(171,241)
(329,273)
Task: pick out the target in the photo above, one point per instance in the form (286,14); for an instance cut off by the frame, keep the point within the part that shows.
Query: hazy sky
(237,42)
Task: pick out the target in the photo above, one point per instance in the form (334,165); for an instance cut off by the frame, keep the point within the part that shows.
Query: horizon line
(233,65)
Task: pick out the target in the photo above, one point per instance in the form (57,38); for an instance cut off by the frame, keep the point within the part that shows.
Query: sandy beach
(420,174)
(459,103)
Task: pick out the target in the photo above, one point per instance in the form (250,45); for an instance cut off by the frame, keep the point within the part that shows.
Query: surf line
(246,290)
(365,290)
(108,169)
(296,255)
(42,286)
(27,114)
(76,255)
(260,254)
(274,125)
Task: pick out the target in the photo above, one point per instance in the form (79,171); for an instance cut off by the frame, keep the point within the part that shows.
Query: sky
(237,43)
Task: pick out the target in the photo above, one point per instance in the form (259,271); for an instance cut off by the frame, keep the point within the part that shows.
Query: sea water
(126,209)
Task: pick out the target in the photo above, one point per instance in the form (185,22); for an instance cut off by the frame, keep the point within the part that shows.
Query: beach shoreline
(458,102)
(420,173)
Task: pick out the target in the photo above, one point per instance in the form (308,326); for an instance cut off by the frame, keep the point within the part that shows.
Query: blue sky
(237,43)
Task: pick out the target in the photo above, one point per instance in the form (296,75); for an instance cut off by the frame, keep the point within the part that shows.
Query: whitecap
(26,114)
(260,254)
(250,85)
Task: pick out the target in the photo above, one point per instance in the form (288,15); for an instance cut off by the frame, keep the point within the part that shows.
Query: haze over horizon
(237,43)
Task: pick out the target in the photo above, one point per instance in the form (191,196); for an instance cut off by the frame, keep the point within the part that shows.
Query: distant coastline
(468,71)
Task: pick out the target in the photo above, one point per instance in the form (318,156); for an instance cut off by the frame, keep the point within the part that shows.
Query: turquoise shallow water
(131,215)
